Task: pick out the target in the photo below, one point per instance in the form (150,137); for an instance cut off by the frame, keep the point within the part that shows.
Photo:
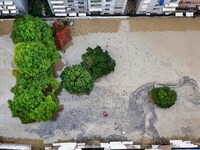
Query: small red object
(105,114)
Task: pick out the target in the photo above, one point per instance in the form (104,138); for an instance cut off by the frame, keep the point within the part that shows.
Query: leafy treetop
(77,80)
(34,98)
(163,97)
(97,62)
(31,29)
(32,58)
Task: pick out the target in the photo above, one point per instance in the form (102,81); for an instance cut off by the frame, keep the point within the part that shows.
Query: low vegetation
(164,97)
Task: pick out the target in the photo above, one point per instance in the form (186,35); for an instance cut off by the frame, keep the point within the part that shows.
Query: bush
(34,98)
(163,97)
(97,62)
(77,80)
(31,29)
(34,57)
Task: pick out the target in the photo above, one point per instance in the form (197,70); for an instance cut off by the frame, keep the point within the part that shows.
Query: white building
(150,7)
(89,7)
(13,7)
(104,7)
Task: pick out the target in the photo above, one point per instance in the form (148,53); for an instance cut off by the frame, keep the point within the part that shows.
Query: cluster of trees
(164,97)
(34,55)
(80,78)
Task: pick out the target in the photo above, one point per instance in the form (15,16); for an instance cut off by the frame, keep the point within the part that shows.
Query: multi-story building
(104,7)
(13,7)
(89,7)
(150,7)
(189,4)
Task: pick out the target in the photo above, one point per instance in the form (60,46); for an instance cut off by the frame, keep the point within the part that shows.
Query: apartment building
(153,7)
(87,7)
(106,7)
(13,7)
(189,4)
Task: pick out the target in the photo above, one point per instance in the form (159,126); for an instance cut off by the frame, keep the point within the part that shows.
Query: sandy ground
(5,27)
(143,57)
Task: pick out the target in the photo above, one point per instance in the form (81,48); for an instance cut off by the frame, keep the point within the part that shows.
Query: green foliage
(34,57)
(34,98)
(97,62)
(36,8)
(31,29)
(163,97)
(77,80)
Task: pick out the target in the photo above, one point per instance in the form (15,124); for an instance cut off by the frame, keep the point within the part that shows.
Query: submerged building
(87,7)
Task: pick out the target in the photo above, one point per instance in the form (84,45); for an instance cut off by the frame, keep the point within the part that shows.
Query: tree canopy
(34,98)
(97,62)
(32,58)
(77,80)
(164,97)
(31,29)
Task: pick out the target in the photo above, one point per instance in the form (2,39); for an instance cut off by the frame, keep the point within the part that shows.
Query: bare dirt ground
(147,52)
(35,144)
(86,26)
(5,27)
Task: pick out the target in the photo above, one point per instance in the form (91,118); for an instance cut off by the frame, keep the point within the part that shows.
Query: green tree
(97,62)
(163,97)
(77,80)
(34,98)
(36,8)
(31,29)
(32,58)
(35,53)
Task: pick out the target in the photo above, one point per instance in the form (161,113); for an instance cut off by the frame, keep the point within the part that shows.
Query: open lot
(147,52)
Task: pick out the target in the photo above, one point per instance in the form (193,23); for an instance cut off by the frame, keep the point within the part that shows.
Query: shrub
(34,98)
(163,97)
(97,62)
(31,29)
(34,57)
(77,80)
